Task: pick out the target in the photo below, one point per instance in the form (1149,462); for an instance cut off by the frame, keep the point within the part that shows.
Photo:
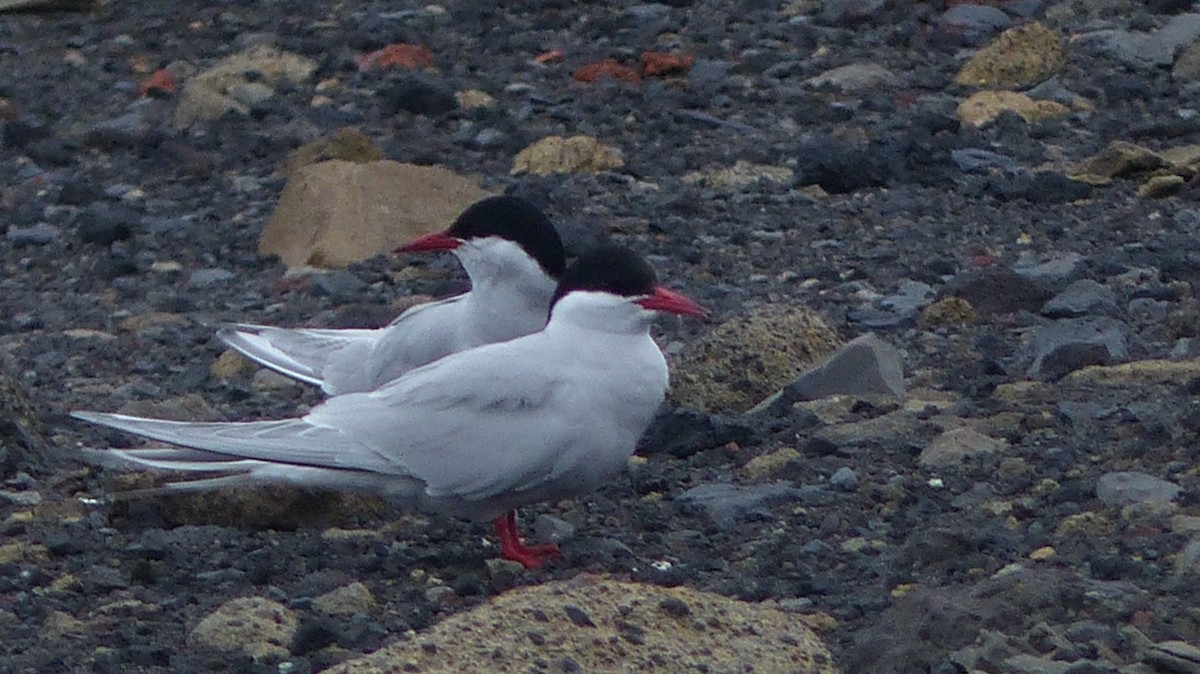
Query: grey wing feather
(290,441)
(301,354)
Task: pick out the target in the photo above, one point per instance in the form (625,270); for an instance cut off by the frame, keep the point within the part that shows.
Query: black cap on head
(609,268)
(517,220)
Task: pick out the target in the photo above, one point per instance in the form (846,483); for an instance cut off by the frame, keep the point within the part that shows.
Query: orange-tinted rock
(659,64)
(399,55)
(606,68)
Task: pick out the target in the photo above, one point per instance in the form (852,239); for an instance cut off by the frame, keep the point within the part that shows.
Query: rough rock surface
(596,624)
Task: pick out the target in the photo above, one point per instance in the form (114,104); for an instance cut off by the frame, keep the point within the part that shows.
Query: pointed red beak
(435,241)
(672,302)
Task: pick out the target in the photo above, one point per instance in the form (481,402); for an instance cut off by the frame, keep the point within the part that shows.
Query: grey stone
(1146,311)
(865,366)
(1071,343)
(1147,50)
(1188,560)
(976,160)
(548,528)
(1053,90)
(1130,488)
(892,310)
(726,504)
(1051,267)
(855,77)
(207,277)
(1081,298)
(844,478)
(840,12)
(972,24)
(38,235)
(340,286)
(1173,657)
(956,445)
(648,12)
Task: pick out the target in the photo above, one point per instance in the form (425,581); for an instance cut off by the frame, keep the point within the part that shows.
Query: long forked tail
(301,354)
(289,451)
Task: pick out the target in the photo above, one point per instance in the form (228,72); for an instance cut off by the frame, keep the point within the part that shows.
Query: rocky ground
(1015,213)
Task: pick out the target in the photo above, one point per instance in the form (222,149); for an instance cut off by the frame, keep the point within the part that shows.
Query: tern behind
(512,254)
(476,434)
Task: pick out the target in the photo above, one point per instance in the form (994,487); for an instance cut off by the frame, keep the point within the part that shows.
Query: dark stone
(418,96)
(683,431)
(22,446)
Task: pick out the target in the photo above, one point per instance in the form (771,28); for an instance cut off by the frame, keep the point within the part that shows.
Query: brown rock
(337,212)
(596,624)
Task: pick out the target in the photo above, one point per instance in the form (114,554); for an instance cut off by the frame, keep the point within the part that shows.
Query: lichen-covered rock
(985,106)
(596,624)
(347,144)
(749,357)
(1018,57)
(238,82)
(251,626)
(555,154)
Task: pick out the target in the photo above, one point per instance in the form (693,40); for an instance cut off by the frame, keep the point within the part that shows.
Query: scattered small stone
(1131,488)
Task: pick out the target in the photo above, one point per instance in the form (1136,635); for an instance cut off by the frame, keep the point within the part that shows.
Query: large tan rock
(599,625)
(338,212)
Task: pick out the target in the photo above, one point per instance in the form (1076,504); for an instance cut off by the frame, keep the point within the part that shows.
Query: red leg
(511,547)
